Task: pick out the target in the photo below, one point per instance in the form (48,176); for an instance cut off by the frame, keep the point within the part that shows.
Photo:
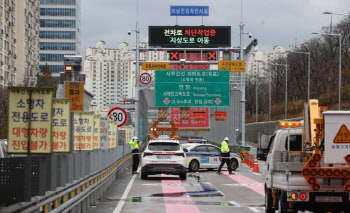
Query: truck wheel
(194,166)
(234,164)
(282,203)
(268,201)
(144,175)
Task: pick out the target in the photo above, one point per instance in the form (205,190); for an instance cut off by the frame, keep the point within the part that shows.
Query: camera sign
(145,78)
(118,115)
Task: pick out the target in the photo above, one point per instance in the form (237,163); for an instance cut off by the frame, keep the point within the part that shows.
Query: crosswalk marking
(234,203)
(254,209)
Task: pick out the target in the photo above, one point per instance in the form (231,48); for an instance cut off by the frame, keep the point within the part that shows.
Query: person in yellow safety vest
(225,156)
(135,154)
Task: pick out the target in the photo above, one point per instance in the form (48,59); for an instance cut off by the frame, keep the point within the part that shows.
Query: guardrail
(59,183)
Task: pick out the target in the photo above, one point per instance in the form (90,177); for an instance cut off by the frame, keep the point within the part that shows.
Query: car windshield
(164,146)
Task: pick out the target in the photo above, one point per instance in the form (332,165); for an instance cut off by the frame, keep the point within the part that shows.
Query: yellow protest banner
(97,131)
(233,66)
(30,120)
(75,91)
(76,132)
(61,132)
(87,131)
(110,134)
(18,120)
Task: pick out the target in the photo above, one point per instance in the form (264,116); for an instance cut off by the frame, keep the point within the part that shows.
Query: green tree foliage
(3,112)
(46,79)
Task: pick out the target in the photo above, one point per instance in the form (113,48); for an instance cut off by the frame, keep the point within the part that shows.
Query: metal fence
(24,178)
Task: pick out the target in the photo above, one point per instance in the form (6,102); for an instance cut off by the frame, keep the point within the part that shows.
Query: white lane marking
(254,209)
(244,184)
(125,194)
(234,203)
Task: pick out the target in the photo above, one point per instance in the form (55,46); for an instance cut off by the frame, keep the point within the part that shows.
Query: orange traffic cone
(256,166)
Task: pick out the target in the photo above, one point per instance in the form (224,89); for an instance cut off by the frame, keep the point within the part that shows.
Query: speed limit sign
(118,115)
(145,78)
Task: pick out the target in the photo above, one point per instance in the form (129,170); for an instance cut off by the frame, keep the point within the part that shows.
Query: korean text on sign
(112,135)
(30,120)
(233,66)
(97,129)
(75,91)
(61,131)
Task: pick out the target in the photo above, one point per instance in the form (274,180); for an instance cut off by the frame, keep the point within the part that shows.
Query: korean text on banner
(30,120)
(75,91)
(76,132)
(18,120)
(104,132)
(87,131)
(61,131)
(97,130)
(110,134)
(121,136)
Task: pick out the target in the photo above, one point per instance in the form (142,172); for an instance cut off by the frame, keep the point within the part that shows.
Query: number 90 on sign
(118,115)
(145,78)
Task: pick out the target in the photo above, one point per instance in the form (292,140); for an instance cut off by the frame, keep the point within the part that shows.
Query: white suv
(163,156)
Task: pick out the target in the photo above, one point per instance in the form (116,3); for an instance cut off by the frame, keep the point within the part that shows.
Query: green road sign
(192,88)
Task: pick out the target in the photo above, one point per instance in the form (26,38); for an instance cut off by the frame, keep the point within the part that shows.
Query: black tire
(183,176)
(268,201)
(144,175)
(282,203)
(194,166)
(234,164)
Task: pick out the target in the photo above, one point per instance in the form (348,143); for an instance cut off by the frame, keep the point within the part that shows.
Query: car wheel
(144,175)
(183,176)
(282,203)
(268,201)
(194,166)
(234,164)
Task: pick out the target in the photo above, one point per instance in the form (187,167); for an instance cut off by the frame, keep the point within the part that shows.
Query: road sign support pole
(243,84)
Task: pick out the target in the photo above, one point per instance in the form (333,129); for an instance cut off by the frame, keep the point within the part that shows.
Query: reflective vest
(134,144)
(224,147)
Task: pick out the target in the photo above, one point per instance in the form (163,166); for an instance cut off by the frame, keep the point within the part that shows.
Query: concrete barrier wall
(253,129)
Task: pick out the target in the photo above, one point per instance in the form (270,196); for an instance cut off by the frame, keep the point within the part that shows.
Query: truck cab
(308,163)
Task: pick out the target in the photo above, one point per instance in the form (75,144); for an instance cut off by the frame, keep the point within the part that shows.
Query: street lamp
(256,92)
(330,13)
(308,71)
(336,34)
(286,92)
(137,74)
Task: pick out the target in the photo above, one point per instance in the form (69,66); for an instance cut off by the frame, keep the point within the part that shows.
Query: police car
(163,155)
(206,156)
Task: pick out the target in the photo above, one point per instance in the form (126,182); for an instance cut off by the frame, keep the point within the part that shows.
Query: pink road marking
(246,180)
(181,204)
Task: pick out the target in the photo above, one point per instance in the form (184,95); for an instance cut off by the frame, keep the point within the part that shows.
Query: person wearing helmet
(225,156)
(135,154)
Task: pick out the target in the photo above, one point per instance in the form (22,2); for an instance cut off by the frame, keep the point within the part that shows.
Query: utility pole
(137,83)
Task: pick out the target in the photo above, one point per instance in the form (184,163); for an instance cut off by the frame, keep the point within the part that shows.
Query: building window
(57,46)
(57,23)
(52,57)
(58,2)
(58,34)
(57,12)
(53,68)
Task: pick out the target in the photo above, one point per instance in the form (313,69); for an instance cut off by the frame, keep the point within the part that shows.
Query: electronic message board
(189,36)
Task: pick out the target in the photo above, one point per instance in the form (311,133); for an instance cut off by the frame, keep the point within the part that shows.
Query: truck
(307,163)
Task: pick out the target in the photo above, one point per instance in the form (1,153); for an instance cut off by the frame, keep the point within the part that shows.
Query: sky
(272,22)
